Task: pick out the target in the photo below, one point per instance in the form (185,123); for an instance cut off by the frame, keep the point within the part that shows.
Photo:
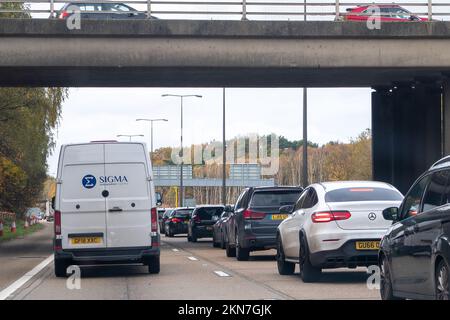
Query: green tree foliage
(28,117)
(14,10)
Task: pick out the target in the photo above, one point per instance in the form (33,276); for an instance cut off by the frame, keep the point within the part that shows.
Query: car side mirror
(286,209)
(53,203)
(159,198)
(391,214)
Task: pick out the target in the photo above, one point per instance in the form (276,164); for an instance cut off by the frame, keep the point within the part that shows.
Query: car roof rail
(441,162)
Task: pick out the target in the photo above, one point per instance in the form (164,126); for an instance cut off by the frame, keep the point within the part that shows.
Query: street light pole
(182,96)
(224,156)
(304,178)
(151,131)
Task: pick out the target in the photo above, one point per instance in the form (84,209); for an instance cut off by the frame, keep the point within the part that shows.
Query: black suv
(255,218)
(414,254)
(202,221)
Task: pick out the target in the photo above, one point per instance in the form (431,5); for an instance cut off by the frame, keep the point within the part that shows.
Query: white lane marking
(222,274)
(193,258)
(175,250)
(5,293)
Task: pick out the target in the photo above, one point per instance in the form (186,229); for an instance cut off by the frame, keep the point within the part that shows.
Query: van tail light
(327,216)
(154,220)
(252,215)
(57,223)
(57,227)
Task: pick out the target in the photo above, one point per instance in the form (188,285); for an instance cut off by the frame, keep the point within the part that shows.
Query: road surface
(188,271)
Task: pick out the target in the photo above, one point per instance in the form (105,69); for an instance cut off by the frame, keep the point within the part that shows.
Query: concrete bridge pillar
(406,131)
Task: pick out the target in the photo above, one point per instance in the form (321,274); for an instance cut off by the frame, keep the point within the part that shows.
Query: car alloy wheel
(284,267)
(442,285)
(385,281)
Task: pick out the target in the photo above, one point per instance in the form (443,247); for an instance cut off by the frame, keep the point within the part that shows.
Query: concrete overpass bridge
(407,65)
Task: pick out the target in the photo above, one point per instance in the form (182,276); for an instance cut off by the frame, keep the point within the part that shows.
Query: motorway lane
(18,256)
(183,278)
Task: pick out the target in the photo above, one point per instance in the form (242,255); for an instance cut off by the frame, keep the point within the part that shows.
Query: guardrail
(229,9)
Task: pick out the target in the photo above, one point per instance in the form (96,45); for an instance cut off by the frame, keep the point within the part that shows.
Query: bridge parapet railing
(227,9)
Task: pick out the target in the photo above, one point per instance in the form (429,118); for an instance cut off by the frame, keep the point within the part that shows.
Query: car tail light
(252,215)
(57,223)
(64,14)
(154,214)
(176,220)
(327,216)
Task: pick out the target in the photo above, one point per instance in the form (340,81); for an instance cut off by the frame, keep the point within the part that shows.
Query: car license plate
(367,245)
(86,240)
(279,216)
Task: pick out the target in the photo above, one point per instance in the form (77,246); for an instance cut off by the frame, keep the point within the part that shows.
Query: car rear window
(209,212)
(182,213)
(362,194)
(274,198)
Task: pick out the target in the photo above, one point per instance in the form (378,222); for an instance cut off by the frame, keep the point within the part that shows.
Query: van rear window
(274,198)
(362,194)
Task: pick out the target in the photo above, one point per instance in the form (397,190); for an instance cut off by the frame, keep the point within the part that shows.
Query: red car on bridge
(388,13)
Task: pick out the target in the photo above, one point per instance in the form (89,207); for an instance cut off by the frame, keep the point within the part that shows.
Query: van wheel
(154,265)
(284,267)
(61,266)
(230,251)
(308,272)
(242,254)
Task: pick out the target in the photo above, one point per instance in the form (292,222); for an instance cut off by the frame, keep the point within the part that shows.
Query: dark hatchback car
(177,221)
(202,221)
(253,224)
(219,228)
(101,11)
(414,254)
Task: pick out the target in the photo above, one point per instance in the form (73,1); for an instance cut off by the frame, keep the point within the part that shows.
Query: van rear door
(81,202)
(129,202)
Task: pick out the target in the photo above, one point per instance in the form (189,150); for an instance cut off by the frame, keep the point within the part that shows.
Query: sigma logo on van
(89,181)
(113,180)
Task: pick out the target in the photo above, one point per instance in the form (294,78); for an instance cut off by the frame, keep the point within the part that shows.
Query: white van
(105,206)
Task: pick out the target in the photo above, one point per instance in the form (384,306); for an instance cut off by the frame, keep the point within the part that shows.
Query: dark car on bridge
(387,13)
(253,223)
(202,221)
(414,255)
(101,11)
(177,221)
(219,228)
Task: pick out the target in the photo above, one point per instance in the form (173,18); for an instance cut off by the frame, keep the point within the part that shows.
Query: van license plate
(279,216)
(86,240)
(367,245)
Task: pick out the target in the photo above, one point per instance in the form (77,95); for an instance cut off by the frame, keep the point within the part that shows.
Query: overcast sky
(103,113)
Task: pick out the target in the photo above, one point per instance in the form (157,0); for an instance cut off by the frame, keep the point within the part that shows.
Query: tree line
(332,161)
(28,117)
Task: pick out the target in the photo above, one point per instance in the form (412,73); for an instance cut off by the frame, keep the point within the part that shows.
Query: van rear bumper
(108,255)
